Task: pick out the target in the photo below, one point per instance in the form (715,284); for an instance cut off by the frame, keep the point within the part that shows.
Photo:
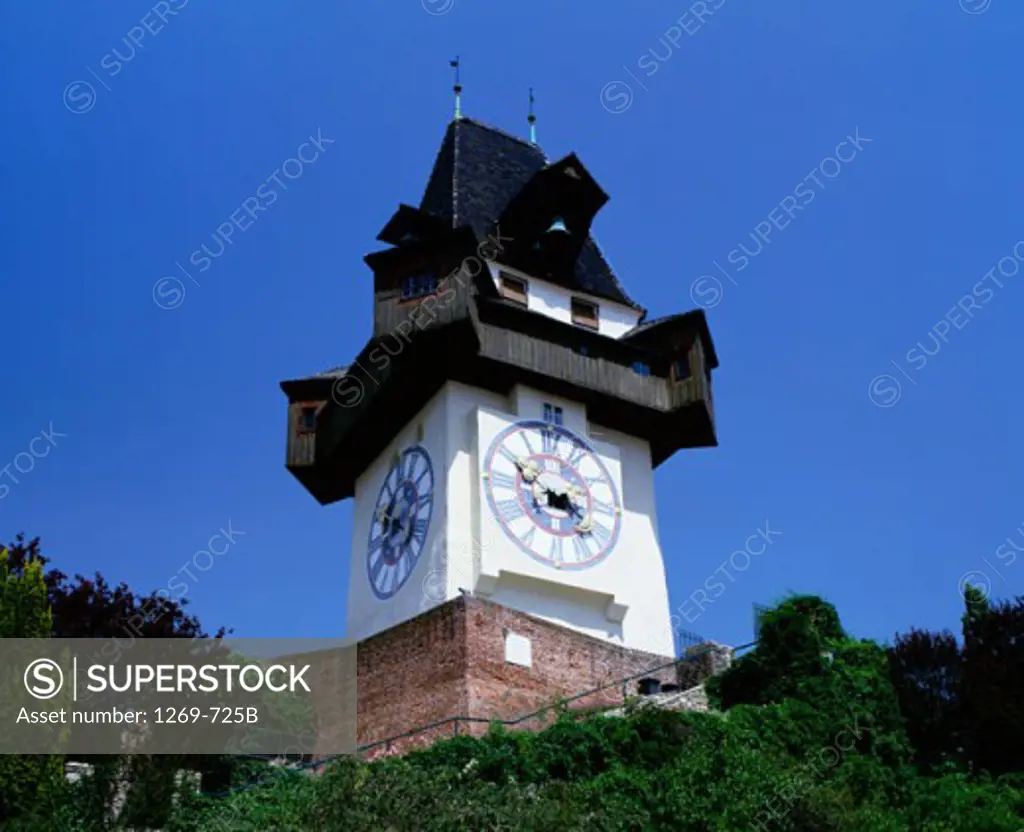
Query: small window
(584,313)
(641,369)
(513,289)
(553,415)
(307,419)
(681,369)
(418,286)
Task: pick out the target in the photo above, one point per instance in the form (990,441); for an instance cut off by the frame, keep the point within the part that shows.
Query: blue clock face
(401,520)
(552,495)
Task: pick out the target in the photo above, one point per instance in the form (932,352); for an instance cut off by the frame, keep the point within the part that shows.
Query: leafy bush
(808,737)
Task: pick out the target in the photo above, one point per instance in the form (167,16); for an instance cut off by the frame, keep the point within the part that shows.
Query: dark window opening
(418,286)
(307,419)
(513,289)
(681,369)
(584,313)
(553,415)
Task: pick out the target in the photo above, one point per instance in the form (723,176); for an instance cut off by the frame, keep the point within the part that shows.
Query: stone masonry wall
(412,675)
(564,663)
(451,661)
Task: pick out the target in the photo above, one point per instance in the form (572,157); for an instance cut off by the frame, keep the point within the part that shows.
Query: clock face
(552,495)
(401,520)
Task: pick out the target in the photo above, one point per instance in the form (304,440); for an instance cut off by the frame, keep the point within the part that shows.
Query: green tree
(27,782)
(926,670)
(993,683)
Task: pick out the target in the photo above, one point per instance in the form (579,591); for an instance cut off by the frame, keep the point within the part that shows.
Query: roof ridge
(455,173)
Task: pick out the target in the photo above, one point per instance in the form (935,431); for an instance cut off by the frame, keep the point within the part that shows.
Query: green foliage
(653,770)
(26,781)
(809,738)
(824,682)
(38,601)
(24,611)
(992,692)
(964,706)
(926,671)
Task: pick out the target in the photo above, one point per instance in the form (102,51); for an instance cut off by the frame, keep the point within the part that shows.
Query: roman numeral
(582,550)
(592,481)
(375,571)
(510,509)
(577,455)
(550,439)
(505,452)
(423,473)
(604,508)
(555,553)
(601,534)
(526,441)
(419,529)
(527,539)
(376,543)
(552,465)
(500,480)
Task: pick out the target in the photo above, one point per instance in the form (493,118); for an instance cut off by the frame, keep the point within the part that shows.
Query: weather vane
(457,88)
(532,119)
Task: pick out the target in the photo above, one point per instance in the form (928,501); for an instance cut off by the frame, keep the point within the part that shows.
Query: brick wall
(412,675)
(450,662)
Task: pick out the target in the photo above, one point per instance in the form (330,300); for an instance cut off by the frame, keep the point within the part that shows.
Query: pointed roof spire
(532,120)
(457,88)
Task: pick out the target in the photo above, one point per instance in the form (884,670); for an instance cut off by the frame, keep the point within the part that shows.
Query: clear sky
(704,129)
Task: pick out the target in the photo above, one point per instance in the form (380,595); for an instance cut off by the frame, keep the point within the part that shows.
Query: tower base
(457,667)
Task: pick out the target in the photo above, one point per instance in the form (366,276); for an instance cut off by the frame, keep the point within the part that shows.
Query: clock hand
(539,492)
(528,468)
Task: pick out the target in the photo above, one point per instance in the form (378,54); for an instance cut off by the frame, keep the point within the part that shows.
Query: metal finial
(457,88)
(532,119)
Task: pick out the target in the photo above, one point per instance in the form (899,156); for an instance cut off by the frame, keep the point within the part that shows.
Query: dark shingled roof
(478,170)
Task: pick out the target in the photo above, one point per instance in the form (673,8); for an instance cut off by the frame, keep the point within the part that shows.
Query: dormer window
(419,286)
(512,288)
(584,313)
(307,419)
(681,368)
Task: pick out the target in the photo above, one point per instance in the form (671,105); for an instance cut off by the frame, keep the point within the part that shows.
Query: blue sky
(702,129)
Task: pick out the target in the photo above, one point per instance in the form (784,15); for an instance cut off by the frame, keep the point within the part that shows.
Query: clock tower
(500,429)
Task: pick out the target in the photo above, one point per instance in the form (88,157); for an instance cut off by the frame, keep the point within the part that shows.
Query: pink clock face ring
(552,495)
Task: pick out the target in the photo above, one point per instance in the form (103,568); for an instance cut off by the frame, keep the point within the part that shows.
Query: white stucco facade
(623,598)
(544,298)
